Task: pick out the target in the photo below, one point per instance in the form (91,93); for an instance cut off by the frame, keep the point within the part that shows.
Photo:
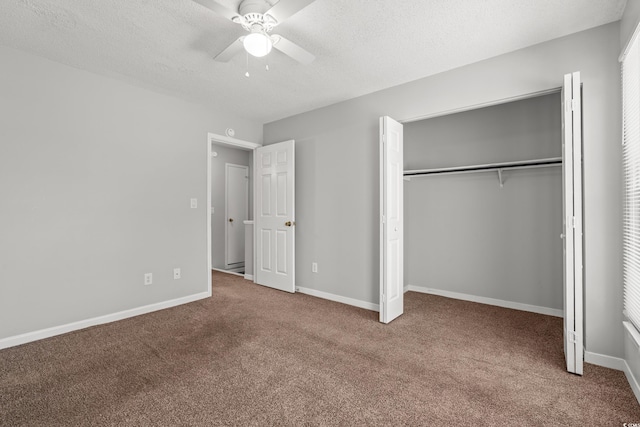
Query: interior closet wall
(225,155)
(466,234)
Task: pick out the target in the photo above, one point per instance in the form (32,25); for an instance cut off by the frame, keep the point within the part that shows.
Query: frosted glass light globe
(258,44)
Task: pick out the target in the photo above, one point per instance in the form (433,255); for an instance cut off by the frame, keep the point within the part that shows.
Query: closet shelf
(490,167)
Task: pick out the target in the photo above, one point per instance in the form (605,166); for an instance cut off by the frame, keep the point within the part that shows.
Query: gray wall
(629,21)
(96,176)
(235,156)
(337,168)
(463,233)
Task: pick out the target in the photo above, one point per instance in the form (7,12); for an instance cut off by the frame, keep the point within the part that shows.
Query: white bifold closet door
(275,216)
(391,220)
(572,218)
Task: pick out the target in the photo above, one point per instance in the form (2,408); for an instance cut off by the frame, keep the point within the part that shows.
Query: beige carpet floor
(255,356)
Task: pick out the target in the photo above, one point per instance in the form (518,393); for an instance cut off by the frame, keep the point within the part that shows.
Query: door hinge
(573,222)
(572,337)
(574,105)
(384,138)
(384,220)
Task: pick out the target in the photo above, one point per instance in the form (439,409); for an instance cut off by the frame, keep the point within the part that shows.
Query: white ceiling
(361,46)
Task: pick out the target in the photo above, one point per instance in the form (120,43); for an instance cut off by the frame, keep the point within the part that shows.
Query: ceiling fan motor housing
(253,6)
(252,13)
(252,20)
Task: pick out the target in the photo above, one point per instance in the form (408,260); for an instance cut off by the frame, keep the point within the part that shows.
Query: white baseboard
(108,318)
(248,276)
(633,381)
(490,301)
(337,298)
(615,363)
(606,361)
(635,337)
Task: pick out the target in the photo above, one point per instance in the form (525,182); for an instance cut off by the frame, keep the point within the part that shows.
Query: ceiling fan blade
(285,8)
(218,8)
(231,51)
(293,50)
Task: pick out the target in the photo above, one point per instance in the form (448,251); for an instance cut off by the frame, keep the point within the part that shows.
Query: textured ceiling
(361,46)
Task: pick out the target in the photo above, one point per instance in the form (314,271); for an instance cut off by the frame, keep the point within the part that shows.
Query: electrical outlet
(176,273)
(194,203)
(148,278)
(314,267)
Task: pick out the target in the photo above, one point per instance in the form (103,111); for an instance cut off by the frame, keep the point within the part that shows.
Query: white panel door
(275,216)
(391,220)
(237,211)
(572,221)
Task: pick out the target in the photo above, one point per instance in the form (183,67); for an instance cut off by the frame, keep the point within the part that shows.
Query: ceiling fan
(259,18)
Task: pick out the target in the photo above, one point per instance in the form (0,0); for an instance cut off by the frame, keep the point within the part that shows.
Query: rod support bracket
(500,178)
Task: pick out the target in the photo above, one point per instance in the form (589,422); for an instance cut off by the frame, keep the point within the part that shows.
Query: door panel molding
(274,179)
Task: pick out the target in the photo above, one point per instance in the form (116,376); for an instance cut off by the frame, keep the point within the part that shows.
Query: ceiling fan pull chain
(247,73)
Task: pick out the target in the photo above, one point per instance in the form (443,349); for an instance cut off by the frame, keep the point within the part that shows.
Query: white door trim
(232,142)
(208,216)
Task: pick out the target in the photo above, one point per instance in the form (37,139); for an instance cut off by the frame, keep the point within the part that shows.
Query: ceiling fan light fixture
(258,43)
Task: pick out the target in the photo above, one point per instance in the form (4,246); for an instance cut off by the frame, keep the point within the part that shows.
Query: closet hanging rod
(526,164)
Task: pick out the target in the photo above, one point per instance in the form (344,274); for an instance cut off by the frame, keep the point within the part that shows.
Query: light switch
(194,203)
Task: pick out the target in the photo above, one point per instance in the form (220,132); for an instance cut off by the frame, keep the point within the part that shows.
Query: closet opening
(483,205)
(453,229)
(517,243)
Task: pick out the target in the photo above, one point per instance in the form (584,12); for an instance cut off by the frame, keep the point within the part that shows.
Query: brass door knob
(288,223)
(230,219)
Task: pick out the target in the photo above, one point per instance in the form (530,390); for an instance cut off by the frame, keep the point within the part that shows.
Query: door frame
(213,138)
(227,166)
